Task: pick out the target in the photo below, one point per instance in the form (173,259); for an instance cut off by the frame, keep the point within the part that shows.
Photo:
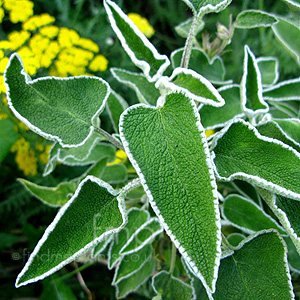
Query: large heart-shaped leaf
(62,109)
(169,140)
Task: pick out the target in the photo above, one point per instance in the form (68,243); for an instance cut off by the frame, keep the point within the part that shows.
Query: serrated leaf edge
(243,89)
(166,83)
(245,229)
(140,63)
(270,58)
(50,228)
(153,235)
(182,251)
(257,25)
(257,181)
(94,120)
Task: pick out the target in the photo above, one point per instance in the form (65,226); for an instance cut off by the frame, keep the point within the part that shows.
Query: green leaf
(293,255)
(52,196)
(248,19)
(212,70)
(142,53)
(136,218)
(144,235)
(145,90)
(284,91)
(98,249)
(115,105)
(291,127)
(293,4)
(257,270)
(132,263)
(269,70)
(247,190)
(192,85)
(235,239)
(61,109)
(134,282)
(184,28)
(202,7)
(95,210)
(215,117)
(240,152)
(174,142)
(8,136)
(115,174)
(287,211)
(171,288)
(54,288)
(288,34)
(247,216)
(251,86)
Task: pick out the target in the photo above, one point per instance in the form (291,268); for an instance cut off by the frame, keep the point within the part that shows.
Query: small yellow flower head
(44,156)
(2,14)
(20,145)
(18,38)
(19,10)
(3,64)
(142,24)
(209,132)
(30,60)
(99,63)
(87,44)
(38,21)
(67,37)
(5,45)
(50,31)
(120,158)
(2,86)
(27,162)
(38,44)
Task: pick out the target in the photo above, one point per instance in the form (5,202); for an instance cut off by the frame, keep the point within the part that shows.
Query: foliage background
(23,219)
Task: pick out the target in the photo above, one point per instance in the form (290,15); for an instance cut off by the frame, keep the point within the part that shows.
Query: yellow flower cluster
(142,24)
(19,10)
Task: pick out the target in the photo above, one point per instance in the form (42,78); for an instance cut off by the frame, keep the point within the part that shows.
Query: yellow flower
(30,61)
(38,21)
(38,44)
(67,37)
(50,31)
(2,86)
(27,162)
(5,45)
(120,157)
(87,44)
(3,64)
(18,38)
(209,132)
(99,63)
(142,24)
(44,157)
(2,14)
(20,145)
(19,10)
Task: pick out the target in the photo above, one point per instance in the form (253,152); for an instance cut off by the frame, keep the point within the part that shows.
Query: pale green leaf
(212,70)
(284,91)
(95,210)
(247,190)
(269,70)
(61,109)
(8,136)
(115,105)
(192,85)
(144,235)
(115,174)
(52,196)
(171,288)
(288,34)
(214,117)
(202,7)
(145,90)
(257,270)
(132,283)
(142,53)
(293,255)
(240,152)
(251,86)
(173,141)
(247,216)
(248,19)
(132,263)
(184,28)
(235,239)
(136,218)
(293,4)
(291,128)
(99,248)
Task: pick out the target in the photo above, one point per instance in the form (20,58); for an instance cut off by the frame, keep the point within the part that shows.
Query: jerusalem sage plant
(196,187)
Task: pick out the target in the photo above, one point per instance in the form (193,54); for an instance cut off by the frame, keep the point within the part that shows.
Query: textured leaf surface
(251,86)
(201,7)
(7,137)
(171,288)
(293,255)
(184,28)
(52,196)
(214,117)
(284,91)
(99,248)
(192,85)
(115,174)
(140,50)
(213,71)
(235,238)
(247,216)
(288,34)
(132,283)
(174,146)
(242,153)
(94,211)
(269,70)
(257,270)
(254,19)
(61,109)
(145,90)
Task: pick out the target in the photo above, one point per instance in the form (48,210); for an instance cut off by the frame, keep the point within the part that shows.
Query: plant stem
(82,283)
(70,274)
(189,44)
(110,138)
(173,259)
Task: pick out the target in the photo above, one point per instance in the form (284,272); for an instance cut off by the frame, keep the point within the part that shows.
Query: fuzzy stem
(110,138)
